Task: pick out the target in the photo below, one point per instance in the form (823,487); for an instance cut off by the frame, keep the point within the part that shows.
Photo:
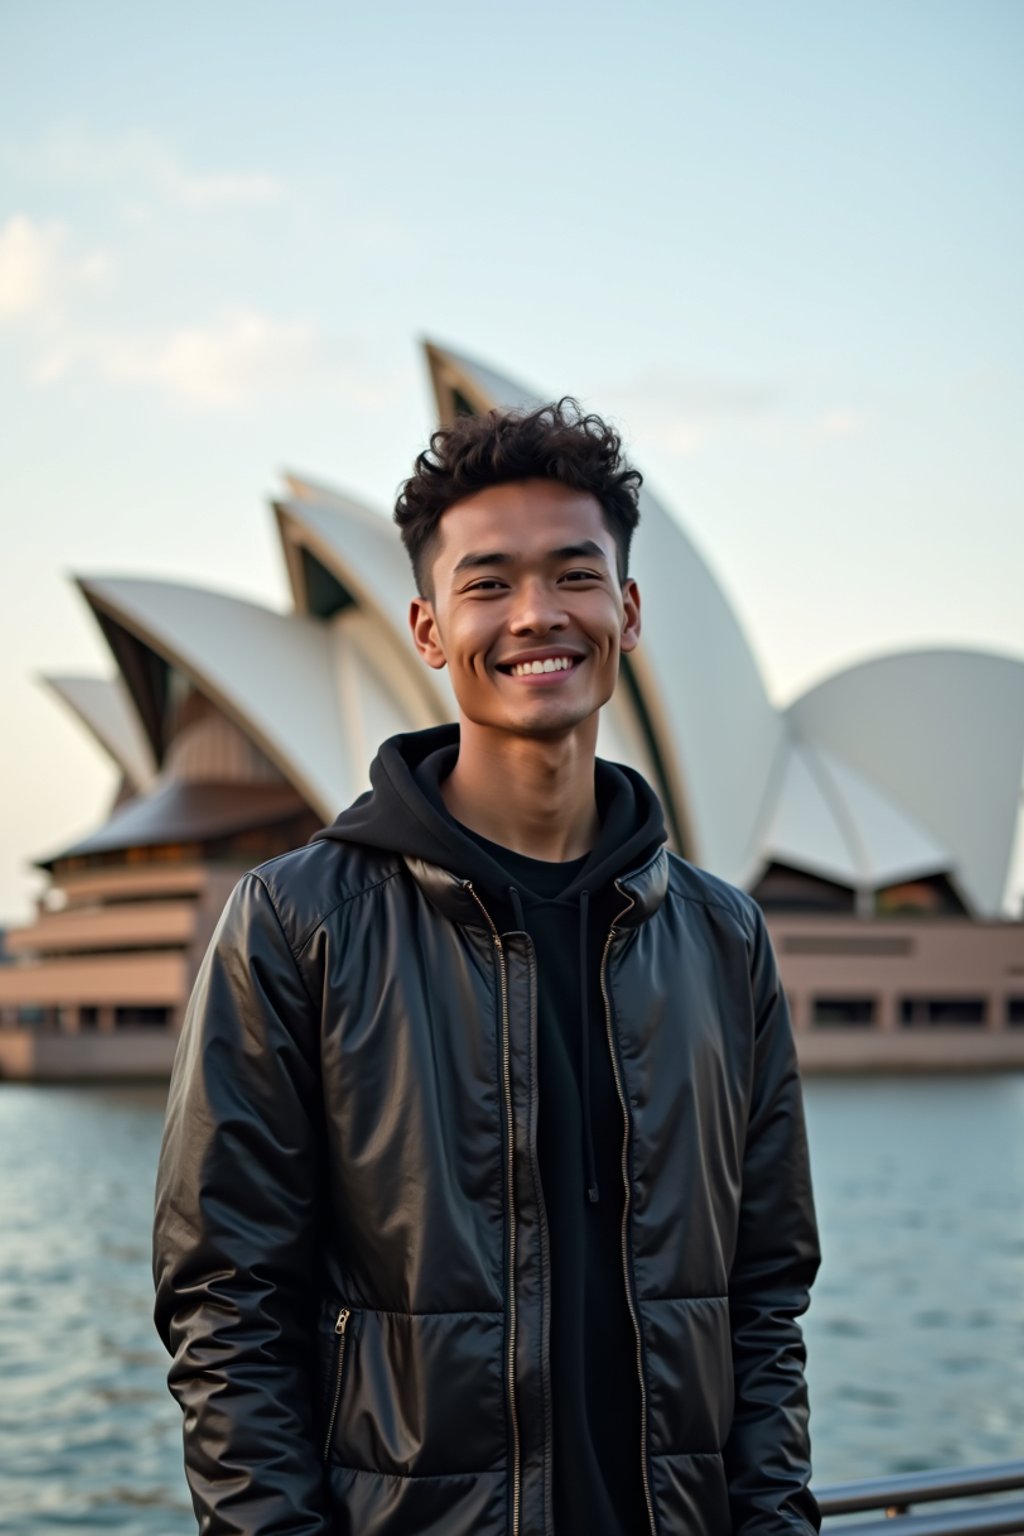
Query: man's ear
(425,634)
(630,615)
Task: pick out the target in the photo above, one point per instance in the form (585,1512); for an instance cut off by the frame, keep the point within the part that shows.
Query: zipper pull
(342,1321)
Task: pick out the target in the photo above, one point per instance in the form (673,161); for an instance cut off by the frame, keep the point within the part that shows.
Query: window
(782,889)
(154,1018)
(927,1012)
(932,897)
(1015,1012)
(842,1012)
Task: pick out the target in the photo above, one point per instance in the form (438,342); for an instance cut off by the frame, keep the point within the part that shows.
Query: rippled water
(89,1437)
(915,1334)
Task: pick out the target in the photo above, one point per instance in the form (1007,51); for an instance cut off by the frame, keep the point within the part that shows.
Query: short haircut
(553,442)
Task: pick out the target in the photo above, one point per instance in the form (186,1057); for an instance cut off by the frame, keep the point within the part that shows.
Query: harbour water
(915,1334)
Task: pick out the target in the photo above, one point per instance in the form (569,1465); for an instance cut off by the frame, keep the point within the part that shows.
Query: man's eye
(488,584)
(575,576)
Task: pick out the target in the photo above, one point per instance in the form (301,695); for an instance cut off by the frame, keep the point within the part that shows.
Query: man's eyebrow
(587,550)
(473,561)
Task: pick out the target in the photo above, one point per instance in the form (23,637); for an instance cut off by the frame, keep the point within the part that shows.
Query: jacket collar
(449,893)
(645,887)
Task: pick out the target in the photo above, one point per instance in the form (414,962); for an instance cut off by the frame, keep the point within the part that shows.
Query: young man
(484,1203)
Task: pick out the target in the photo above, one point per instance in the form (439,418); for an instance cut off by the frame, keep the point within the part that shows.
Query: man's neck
(534,795)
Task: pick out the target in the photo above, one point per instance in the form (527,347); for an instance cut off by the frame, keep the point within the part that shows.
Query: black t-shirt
(594,1374)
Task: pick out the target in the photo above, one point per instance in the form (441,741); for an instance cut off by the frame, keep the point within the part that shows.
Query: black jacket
(350,1251)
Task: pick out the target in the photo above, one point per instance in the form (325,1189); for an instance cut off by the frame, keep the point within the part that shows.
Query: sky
(780,245)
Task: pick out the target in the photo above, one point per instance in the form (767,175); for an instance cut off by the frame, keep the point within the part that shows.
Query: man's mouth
(539,667)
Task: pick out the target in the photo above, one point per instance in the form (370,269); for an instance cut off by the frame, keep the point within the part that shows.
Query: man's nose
(538,609)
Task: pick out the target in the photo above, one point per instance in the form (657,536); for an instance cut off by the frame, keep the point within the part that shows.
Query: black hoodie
(566,909)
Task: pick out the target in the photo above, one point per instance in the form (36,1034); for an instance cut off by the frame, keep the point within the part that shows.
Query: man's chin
(540,724)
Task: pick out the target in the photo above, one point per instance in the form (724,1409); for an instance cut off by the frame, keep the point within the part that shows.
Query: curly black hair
(553,442)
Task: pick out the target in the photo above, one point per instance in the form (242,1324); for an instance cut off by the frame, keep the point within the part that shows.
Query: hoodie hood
(403,812)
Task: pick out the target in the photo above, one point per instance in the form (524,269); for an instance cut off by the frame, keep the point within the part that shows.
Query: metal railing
(895,1497)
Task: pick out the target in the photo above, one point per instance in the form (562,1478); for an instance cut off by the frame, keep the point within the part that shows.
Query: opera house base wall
(893,995)
(940,1050)
(903,994)
(31,1055)
(98,981)
(28,1056)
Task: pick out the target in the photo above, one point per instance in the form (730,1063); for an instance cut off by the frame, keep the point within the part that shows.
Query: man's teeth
(550,664)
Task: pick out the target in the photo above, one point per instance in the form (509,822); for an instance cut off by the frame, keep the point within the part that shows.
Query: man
(484,1202)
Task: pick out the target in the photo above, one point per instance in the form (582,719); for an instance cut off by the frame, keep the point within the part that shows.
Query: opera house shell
(874,818)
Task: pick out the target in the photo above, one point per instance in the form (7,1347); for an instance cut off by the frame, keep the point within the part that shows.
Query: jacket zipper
(506,1070)
(546,1252)
(340,1325)
(625,1213)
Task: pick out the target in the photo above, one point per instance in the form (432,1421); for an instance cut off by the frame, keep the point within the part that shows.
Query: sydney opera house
(873,818)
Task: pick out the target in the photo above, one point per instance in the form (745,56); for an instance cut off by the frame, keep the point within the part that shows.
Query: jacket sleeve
(767,1454)
(234,1254)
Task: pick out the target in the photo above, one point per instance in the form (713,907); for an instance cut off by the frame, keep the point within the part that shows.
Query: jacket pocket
(340,1339)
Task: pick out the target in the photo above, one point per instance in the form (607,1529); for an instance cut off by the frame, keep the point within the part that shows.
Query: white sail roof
(942,733)
(832,821)
(104,706)
(272,673)
(362,549)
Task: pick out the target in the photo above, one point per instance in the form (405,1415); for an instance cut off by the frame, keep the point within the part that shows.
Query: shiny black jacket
(350,1254)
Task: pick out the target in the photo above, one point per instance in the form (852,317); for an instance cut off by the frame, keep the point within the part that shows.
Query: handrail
(901,1490)
(996,1520)
(895,1495)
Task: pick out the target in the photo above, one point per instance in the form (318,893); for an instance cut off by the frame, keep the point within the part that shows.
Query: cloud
(841,423)
(197,191)
(138,165)
(681,438)
(29,266)
(682,412)
(986,381)
(222,364)
(37,272)
(228,363)
(703,394)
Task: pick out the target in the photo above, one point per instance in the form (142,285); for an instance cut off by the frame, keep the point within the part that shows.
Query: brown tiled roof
(182,811)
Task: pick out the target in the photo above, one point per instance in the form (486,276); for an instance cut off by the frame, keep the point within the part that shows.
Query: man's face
(527,611)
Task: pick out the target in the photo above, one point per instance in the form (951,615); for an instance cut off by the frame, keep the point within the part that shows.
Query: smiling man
(484,1202)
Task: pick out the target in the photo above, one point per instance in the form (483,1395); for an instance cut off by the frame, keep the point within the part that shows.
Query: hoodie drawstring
(593,1194)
